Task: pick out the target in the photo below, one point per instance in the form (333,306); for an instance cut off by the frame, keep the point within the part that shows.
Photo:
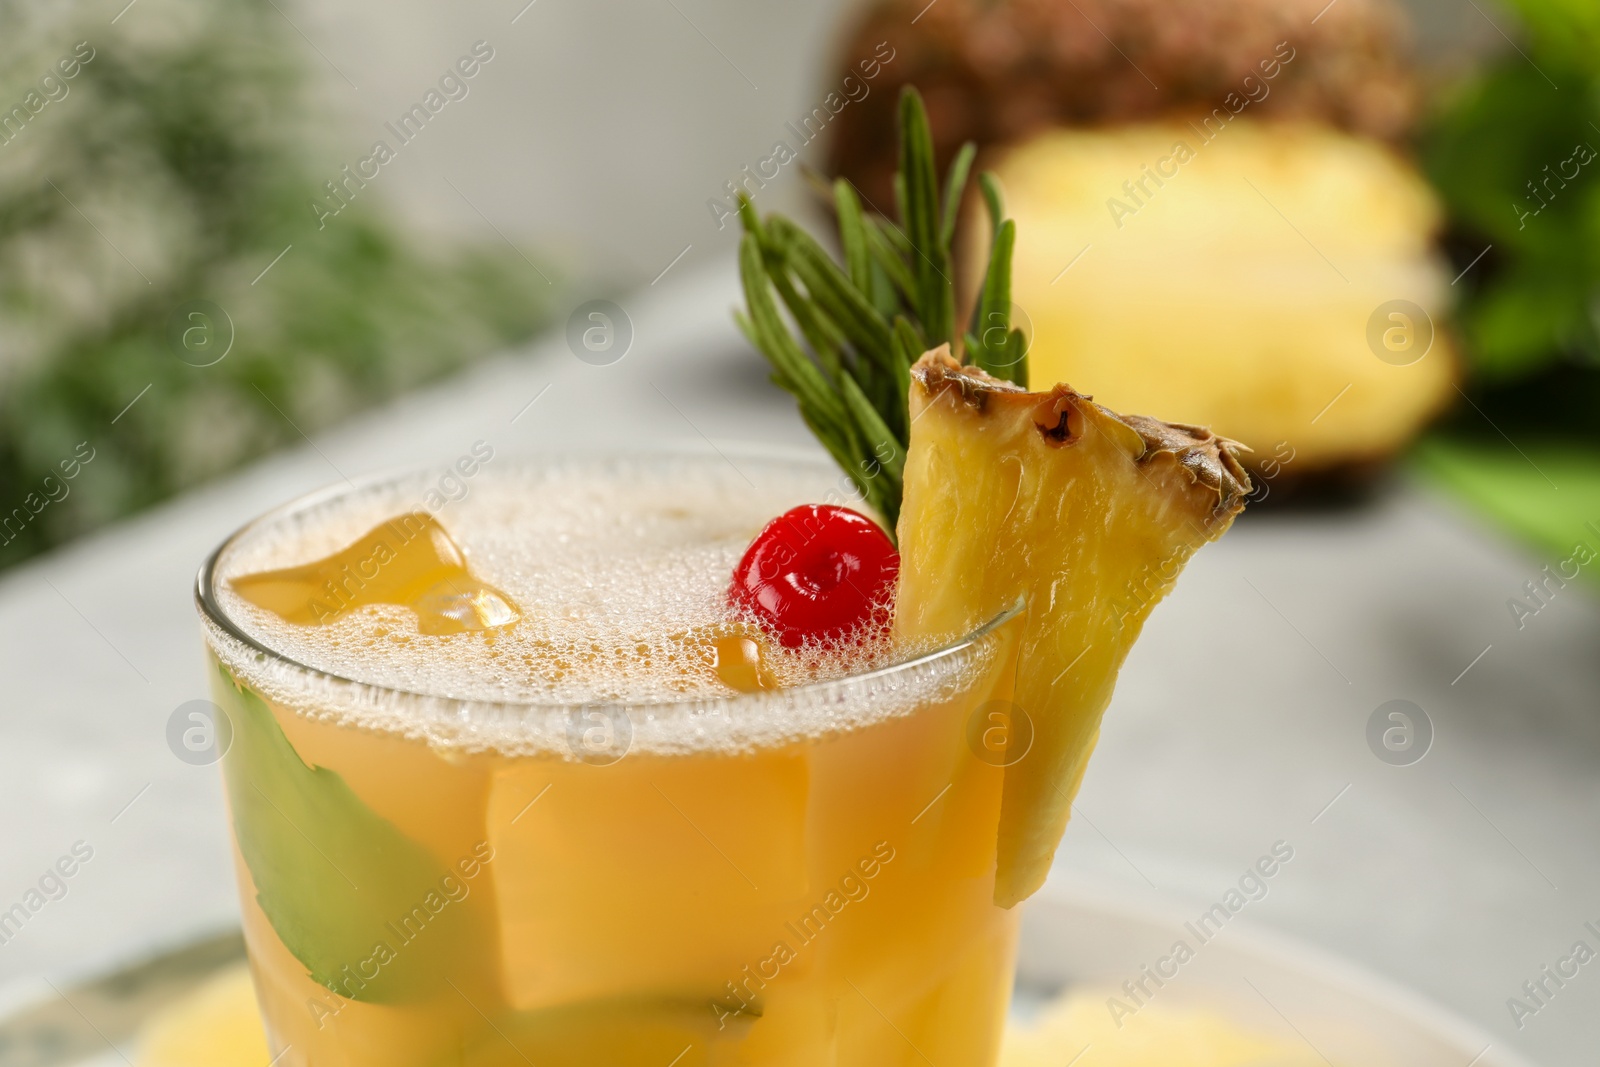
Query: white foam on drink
(611,565)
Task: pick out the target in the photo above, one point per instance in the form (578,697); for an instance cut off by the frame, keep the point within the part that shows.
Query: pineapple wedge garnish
(1087,516)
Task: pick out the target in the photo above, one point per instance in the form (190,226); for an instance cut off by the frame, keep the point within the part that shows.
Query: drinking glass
(800,876)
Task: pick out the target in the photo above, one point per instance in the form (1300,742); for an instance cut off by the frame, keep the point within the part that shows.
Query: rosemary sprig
(852,330)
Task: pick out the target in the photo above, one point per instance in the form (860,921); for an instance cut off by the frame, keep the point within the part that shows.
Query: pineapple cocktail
(669,763)
(542,823)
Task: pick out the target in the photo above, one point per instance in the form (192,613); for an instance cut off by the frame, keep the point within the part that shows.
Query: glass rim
(464,708)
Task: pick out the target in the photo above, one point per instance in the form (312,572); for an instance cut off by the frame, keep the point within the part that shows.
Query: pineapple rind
(1087,515)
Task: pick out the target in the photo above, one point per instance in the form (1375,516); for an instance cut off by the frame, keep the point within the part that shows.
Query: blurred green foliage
(173,167)
(1547,495)
(1503,152)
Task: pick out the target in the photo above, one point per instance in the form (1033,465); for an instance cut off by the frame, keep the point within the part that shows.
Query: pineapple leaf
(853,329)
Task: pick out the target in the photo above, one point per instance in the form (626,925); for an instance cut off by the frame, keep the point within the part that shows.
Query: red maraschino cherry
(817,572)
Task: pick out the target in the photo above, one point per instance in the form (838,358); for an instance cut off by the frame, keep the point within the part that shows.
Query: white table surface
(1240,716)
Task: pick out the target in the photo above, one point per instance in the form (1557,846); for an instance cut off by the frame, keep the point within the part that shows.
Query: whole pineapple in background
(1238,294)
(997,72)
(1227,172)
(999,496)
(180,161)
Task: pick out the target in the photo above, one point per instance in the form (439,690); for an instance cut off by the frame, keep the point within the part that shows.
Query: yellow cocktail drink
(509,787)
